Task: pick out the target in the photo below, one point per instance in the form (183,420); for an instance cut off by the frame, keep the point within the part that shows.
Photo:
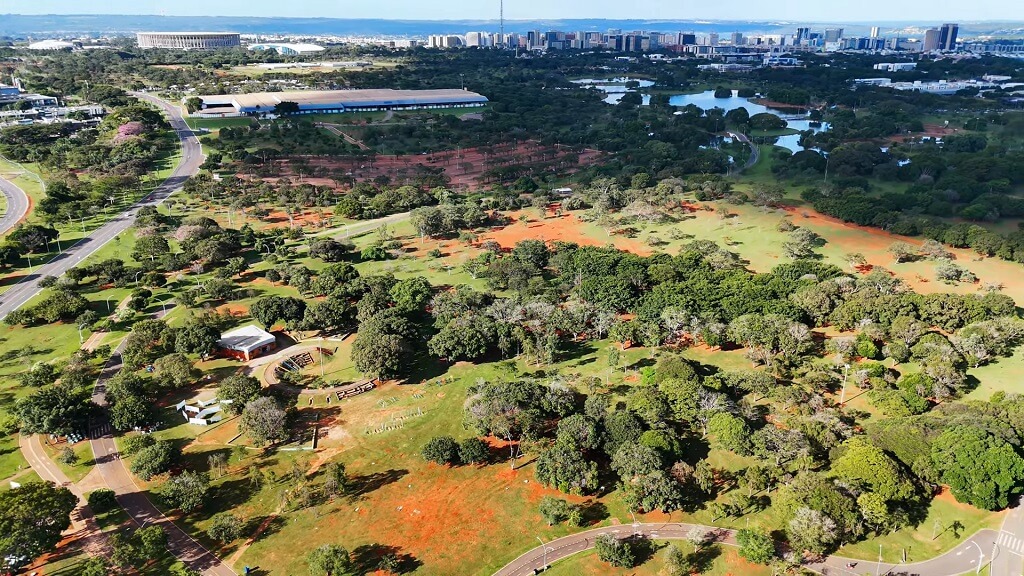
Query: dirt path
(333,129)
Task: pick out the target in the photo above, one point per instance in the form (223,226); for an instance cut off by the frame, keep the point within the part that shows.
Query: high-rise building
(833,34)
(947,36)
(802,34)
(737,39)
(874,31)
(687,39)
(931,40)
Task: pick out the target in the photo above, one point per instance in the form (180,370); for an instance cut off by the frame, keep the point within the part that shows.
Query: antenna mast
(501,16)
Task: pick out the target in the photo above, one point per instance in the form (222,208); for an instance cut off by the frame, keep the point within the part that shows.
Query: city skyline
(910,11)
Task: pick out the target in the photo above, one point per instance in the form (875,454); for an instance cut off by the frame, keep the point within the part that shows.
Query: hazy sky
(926,11)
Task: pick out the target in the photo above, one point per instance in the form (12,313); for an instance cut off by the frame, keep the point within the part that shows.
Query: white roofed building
(246,343)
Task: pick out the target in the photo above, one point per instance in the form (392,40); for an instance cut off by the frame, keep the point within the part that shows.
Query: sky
(926,11)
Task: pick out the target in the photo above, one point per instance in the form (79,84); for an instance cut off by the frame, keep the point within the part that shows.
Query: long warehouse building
(189,40)
(336,101)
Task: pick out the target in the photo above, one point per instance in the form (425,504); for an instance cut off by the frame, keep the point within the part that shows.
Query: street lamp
(544,548)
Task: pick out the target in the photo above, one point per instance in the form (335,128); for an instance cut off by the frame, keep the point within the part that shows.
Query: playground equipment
(203,412)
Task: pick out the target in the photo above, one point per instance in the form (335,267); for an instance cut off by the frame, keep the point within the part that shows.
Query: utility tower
(501,19)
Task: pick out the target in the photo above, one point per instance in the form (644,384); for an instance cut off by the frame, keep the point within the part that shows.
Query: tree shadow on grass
(364,484)
(593,512)
(703,559)
(370,557)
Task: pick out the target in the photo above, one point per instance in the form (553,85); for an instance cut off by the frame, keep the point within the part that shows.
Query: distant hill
(39,26)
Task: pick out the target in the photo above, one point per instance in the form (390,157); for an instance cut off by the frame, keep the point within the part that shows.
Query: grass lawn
(216,123)
(13,465)
(75,472)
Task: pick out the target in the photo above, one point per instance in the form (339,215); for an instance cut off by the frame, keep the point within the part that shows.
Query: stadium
(336,101)
(188,40)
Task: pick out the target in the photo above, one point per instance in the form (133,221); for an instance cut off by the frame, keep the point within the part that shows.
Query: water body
(616,87)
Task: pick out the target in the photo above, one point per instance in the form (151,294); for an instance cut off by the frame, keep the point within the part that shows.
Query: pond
(614,89)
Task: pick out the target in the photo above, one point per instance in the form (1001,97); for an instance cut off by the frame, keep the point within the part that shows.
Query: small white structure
(203,412)
(247,342)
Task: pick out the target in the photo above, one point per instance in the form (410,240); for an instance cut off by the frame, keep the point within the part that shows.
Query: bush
(442,450)
(101,500)
(373,253)
(474,451)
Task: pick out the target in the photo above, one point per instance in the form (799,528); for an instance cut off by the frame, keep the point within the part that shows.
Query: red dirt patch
(564,228)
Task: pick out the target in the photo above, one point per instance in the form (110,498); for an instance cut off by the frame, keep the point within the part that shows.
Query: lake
(614,89)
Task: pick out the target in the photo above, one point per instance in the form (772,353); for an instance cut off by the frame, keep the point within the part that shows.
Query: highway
(963,559)
(191,159)
(17,205)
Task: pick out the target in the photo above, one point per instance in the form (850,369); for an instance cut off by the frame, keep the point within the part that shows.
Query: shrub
(101,500)
(442,450)
(474,451)
(135,442)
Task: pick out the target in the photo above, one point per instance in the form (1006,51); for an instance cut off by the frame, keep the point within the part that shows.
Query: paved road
(135,502)
(192,157)
(755,150)
(961,560)
(17,205)
(83,523)
(1010,544)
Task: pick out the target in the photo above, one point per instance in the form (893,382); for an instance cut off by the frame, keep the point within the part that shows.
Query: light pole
(842,395)
(80,339)
(137,278)
(878,568)
(635,523)
(544,548)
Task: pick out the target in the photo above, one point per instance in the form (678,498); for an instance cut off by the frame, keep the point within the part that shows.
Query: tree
(174,371)
(193,104)
(32,518)
(329,560)
(565,468)
(286,108)
(152,541)
(864,464)
(58,410)
(186,491)
(129,412)
(196,337)
(443,450)
(240,390)
(412,294)
(328,250)
(270,310)
(756,546)
(801,244)
(731,432)
(225,527)
(381,347)
(554,510)
(902,252)
(614,551)
(154,459)
(263,421)
(95,566)
(32,237)
(676,561)
(980,468)
(812,531)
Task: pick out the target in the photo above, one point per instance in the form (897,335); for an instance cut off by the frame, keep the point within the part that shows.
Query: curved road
(191,158)
(17,205)
(755,151)
(982,547)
